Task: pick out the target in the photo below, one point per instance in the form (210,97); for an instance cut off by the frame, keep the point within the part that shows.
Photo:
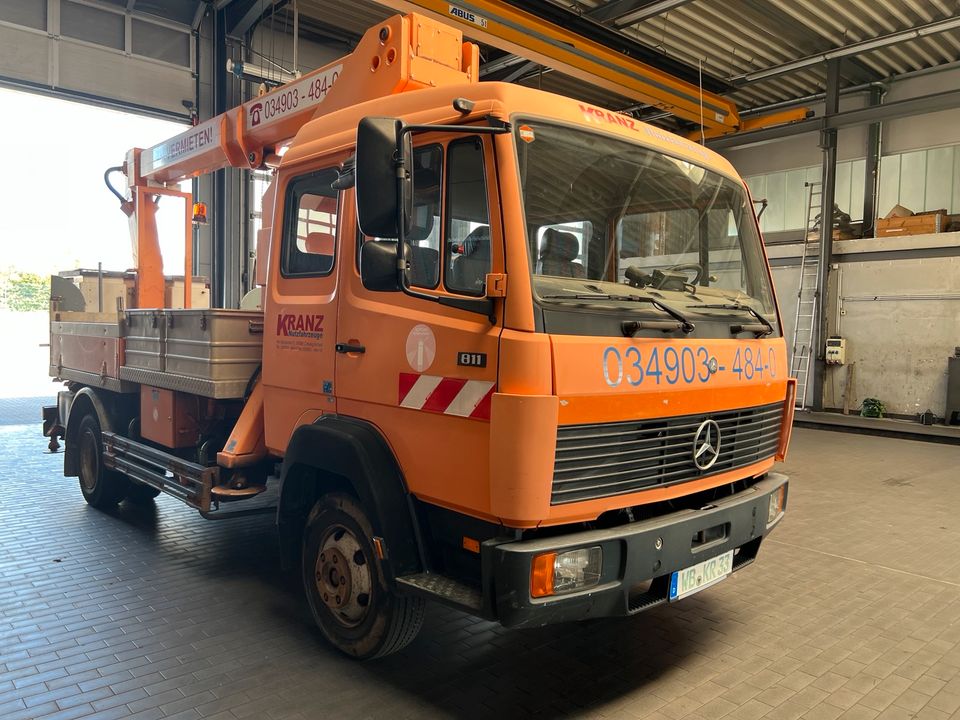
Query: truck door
(422,372)
(300,315)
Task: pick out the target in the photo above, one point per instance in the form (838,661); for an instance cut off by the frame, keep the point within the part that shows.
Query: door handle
(348,348)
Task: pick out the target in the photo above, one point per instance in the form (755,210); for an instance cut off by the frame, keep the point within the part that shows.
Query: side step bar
(443,589)
(187,481)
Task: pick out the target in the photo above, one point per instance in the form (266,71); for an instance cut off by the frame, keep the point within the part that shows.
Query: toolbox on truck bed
(212,353)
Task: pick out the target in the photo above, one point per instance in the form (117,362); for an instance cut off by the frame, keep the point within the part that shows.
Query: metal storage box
(213,344)
(87,352)
(144,339)
(212,353)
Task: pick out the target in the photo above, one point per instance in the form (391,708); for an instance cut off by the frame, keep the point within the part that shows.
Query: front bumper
(638,558)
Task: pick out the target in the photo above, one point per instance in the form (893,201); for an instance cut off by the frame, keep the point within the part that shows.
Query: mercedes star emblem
(706,444)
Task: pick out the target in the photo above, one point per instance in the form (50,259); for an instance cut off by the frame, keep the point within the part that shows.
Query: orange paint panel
(522,446)
(445,460)
(789,408)
(285,409)
(525,363)
(169,418)
(245,446)
(300,325)
(645,366)
(607,408)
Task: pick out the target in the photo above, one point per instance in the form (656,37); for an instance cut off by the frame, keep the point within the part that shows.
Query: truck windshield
(607,217)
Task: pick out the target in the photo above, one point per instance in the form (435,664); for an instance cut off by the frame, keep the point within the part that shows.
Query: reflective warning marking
(448,396)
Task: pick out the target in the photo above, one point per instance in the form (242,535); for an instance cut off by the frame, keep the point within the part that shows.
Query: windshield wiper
(683,322)
(765,330)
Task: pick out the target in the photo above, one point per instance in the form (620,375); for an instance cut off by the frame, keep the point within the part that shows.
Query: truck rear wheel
(345,585)
(101,488)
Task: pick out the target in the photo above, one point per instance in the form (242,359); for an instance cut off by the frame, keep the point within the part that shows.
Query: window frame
(291,220)
(447,255)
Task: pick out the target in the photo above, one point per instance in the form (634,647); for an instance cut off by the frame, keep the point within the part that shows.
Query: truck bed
(208,352)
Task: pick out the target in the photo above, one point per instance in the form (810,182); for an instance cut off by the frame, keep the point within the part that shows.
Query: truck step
(225,492)
(444,589)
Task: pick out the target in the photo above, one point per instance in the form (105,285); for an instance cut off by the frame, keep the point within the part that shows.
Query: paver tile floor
(852,610)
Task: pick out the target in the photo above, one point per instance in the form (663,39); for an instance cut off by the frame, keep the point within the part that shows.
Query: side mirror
(378,266)
(383,177)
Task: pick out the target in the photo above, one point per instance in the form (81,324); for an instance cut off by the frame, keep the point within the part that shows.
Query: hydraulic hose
(111,188)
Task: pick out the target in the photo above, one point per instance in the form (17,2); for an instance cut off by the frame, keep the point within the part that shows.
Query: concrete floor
(851,611)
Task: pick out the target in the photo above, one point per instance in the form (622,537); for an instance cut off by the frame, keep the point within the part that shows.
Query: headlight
(776,504)
(557,573)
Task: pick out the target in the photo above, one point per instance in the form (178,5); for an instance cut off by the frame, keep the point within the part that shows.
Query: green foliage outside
(23,292)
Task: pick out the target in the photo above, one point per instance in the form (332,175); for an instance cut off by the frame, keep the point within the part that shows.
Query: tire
(140,494)
(101,488)
(355,611)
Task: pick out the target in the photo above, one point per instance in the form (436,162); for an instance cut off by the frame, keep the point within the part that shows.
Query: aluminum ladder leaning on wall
(808,295)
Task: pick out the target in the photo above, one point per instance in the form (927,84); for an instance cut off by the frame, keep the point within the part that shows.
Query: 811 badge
(472,359)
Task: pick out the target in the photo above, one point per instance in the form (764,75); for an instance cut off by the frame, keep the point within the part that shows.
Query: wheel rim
(89,461)
(342,576)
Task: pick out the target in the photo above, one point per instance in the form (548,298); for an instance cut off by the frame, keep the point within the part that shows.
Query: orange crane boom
(402,53)
(387,60)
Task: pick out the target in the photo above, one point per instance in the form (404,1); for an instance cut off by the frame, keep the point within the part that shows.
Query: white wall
(912,133)
(922,131)
(899,310)
(801,150)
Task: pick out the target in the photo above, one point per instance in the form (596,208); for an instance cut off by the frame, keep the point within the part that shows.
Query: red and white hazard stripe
(449,396)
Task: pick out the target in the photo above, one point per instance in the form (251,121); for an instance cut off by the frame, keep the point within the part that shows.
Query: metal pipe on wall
(828,142)
(871,179)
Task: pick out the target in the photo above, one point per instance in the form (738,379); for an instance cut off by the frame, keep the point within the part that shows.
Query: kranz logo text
(468,16)
(594,114)
(300,325)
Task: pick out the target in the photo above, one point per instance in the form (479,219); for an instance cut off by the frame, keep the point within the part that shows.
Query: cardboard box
(923,224)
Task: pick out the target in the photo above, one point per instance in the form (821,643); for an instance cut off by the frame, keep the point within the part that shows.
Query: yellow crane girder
(521,33)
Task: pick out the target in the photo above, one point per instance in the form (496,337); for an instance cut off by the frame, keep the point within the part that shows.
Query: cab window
(309,238)
(467,246)
(423,240)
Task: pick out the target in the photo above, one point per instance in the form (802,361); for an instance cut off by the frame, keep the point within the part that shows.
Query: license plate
(700,576)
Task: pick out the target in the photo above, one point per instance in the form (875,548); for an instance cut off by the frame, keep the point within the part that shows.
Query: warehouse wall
(801,150)
(897,302)
(922,131)
(899,298)
(904,134)
(920,167)
(279,46)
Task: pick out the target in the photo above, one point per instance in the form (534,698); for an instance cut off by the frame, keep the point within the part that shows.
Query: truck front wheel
(101,488)
(345,585)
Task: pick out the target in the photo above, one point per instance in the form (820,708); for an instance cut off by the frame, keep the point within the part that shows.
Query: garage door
(107,52)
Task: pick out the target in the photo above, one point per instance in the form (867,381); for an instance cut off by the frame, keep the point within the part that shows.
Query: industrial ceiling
(758,53)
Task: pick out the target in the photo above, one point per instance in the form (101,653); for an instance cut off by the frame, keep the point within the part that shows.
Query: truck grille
(604,459)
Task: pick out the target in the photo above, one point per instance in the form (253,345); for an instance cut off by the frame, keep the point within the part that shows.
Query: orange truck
(512,352)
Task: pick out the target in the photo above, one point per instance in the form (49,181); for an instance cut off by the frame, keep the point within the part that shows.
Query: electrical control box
(836,350)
